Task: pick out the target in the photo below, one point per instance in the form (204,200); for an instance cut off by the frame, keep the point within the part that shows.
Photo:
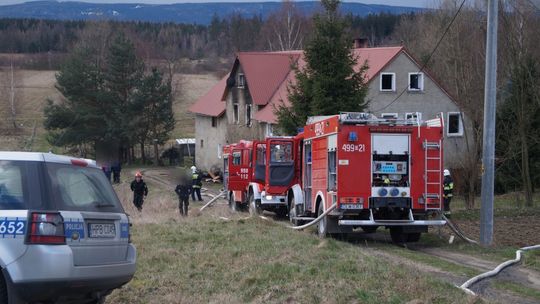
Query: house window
(455,124)
(269,130)
(413,116)
(235,113)
(248,115)
(202,143)
(388,82)
(241,80)
(416,81)
(214,122)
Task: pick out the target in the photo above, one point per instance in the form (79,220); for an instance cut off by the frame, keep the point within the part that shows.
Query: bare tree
(285,29)
(10,81)
(521,100)
(460,61)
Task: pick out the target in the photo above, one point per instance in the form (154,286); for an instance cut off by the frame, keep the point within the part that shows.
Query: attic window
(235,113)
(248,115)
(388,82)
(455,124)
(241,80)
(416,81)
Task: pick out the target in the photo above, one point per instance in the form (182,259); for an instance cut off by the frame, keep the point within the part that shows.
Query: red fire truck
(260,174)
(378,171)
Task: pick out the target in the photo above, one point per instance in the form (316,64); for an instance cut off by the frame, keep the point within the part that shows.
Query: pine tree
(153,113)
(328,83)
(123,74)
(81,118)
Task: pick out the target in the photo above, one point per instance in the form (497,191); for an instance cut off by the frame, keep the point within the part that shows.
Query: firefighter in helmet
(448,187)
(196,185)
(138,186)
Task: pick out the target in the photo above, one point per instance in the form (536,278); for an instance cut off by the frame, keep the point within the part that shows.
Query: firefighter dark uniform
(183,190)
(140,190)
(196,185)
(448,188)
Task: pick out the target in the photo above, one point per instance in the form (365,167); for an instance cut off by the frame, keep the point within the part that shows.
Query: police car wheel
(3,290)
(322,226)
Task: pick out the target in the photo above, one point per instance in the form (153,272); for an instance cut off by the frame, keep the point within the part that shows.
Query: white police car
(64,236)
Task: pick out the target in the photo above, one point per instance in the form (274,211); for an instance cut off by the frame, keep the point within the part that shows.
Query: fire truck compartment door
(390,144)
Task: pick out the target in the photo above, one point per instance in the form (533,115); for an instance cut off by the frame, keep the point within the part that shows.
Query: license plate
(102,230)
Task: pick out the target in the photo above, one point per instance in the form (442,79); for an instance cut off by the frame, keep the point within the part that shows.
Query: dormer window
(241,80)
(388,82)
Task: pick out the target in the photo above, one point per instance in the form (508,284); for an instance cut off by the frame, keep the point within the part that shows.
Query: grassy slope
(204,259)
(201,259)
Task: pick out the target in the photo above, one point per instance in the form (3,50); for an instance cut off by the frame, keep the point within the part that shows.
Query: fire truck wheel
(397,235)
(413,237)
(281,212)
(232,203)
(369,229)
(292,215)
(322,226)
(254,207)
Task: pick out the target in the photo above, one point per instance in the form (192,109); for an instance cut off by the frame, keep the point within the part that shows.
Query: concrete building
(241,105)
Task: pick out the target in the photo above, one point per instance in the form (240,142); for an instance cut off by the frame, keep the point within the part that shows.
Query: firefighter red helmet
(138,174)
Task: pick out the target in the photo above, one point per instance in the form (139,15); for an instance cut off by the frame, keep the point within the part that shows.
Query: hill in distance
(190,13)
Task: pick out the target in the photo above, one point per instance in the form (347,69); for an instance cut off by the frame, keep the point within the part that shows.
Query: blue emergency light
(353,136)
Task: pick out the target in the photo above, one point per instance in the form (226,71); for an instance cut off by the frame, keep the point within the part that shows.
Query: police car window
(79,188)
(11,187)
(281,152)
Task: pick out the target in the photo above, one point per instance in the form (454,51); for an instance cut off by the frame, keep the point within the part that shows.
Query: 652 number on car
(11,227)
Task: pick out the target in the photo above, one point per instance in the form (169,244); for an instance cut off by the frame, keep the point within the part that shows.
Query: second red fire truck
(375,171)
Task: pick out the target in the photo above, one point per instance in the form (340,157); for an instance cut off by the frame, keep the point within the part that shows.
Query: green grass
(517,289)
(200,260)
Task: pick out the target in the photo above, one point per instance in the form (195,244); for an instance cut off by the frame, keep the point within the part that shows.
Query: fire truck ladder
(432,175)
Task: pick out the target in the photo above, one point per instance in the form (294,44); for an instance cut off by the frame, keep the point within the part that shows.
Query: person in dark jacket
(116,169)
(183,189)
(448,188)
(140,191)
(196,183)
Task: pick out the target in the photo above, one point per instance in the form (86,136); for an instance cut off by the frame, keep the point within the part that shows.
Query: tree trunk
(156,153)
(143,155)
(525,170)
(12,97)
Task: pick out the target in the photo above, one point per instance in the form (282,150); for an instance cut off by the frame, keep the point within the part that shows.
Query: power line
(430,55)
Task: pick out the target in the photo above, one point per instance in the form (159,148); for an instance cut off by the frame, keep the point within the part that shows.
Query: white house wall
(430,102)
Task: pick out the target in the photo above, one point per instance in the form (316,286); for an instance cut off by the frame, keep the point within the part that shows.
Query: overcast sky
(415,3)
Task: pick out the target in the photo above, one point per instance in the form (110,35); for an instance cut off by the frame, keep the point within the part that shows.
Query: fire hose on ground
(213,200)
(315,221)
(458,232)
(465,286)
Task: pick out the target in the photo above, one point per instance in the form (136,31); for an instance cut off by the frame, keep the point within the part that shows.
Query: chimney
(360,43)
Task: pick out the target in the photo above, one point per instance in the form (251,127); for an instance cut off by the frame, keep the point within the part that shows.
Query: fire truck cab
(259,174)
(377,171)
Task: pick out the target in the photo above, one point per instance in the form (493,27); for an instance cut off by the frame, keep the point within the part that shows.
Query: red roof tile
(265,72)
(268,75)
(211,104)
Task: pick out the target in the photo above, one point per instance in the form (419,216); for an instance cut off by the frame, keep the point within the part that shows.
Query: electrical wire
(429,57)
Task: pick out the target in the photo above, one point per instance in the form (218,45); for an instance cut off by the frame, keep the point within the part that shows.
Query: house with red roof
(241,105)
